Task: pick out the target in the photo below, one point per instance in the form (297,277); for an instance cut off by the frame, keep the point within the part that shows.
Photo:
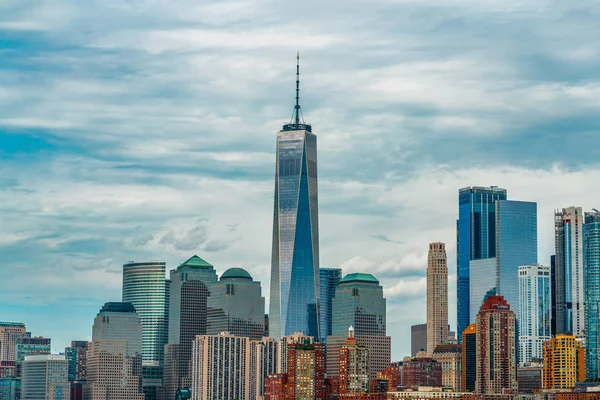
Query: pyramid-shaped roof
(196,262)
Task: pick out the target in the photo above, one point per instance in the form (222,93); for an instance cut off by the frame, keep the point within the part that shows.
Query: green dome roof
(196,262)
(236,273)
(360,277)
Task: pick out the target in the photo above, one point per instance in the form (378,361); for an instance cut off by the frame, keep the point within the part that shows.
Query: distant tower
(329,281)
(437,296)
(294,304)
(535,315)
(564,362)
(10,332)
(591,256)
(353,366)
(568,239)
(469,358)
(496,347)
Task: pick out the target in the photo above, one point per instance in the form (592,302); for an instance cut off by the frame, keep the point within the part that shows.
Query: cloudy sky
(145,130)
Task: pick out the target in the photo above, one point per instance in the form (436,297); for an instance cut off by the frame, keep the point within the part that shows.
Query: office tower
(516,245)
(294,303)
(482,284)
(422,371)
(449,356)
(418,339)
(189,289)
(476,239)
(9,333)
(221,367)
(496,353)
(359,303)
(236,306)
(144,286)
(268,353)
(535,311)
(568,243)
(329,280)
(29,346)
(591,257)
(553,290)
(529,377)
(115,355)
(353,370)
(469,358)
(76,356)
(45,377)
(437,296)
(564,362)
(10,388)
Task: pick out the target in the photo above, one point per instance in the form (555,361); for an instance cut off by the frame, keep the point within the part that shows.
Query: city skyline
(141,158)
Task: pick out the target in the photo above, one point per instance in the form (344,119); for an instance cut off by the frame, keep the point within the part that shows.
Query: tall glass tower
(294,303)
(476,240)
(591,256)
(329,280)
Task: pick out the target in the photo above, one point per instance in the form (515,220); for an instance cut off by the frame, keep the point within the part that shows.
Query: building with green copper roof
(236,273)
(360,277)
(196,262)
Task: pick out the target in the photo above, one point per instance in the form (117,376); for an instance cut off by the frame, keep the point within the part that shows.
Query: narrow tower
(437,296)
(294,304)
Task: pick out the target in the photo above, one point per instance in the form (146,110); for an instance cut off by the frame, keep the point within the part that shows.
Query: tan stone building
(437,296)
(450,356)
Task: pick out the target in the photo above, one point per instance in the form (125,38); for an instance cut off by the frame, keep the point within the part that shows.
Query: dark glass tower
(329,280)
(476,239)
(591,257)
(294,303)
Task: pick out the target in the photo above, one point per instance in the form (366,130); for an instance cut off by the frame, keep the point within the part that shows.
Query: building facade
(76,356)
(329,280)
(569,280)
(469,358)
(236,306)
(482,284)
(9,333)
(222,367)
(529,378)
(476,239)
(422,371)
(30,346)
(591,257)
(359,303)
(294,302)
(353,370)
(449,356)
(418,339)
(437,296)
(190,287)
(115,356)
(45,378)
(496,347)
(564,362)
(535,302)
(516,245)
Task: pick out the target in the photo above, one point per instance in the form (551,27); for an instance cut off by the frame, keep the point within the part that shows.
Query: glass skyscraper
(591,255)
(482,284)
(329,281)
(535,311)
(516,245)
(476,239)
(144,286)
(294,303)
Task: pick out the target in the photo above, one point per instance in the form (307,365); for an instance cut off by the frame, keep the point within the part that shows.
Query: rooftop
(118,307)
(46,357)
(448,348)
(236,273)
(196,262)
(360,277)
(18,324)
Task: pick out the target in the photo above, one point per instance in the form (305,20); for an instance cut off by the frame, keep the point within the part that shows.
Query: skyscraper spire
(297,107)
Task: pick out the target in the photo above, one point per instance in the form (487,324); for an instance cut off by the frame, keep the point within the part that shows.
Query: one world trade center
(294,303)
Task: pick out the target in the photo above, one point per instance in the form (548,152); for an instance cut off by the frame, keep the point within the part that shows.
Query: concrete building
(9,333)
(236,306)
(569,281)
(45,378)
(536,311)
(329,281)
(189,289)
(496,347)
(469,358)
(359,303)
(450,358)
(437,296)
(418,339)
(114,359)
(564,362)
(222,368)
(353,370)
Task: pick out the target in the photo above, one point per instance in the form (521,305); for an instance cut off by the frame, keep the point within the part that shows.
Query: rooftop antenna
(297,116)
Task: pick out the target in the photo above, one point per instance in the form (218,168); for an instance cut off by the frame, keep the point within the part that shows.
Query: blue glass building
(329,281)
(482,283)
(294,302)
(516,245)
(591,256)
(476,239)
